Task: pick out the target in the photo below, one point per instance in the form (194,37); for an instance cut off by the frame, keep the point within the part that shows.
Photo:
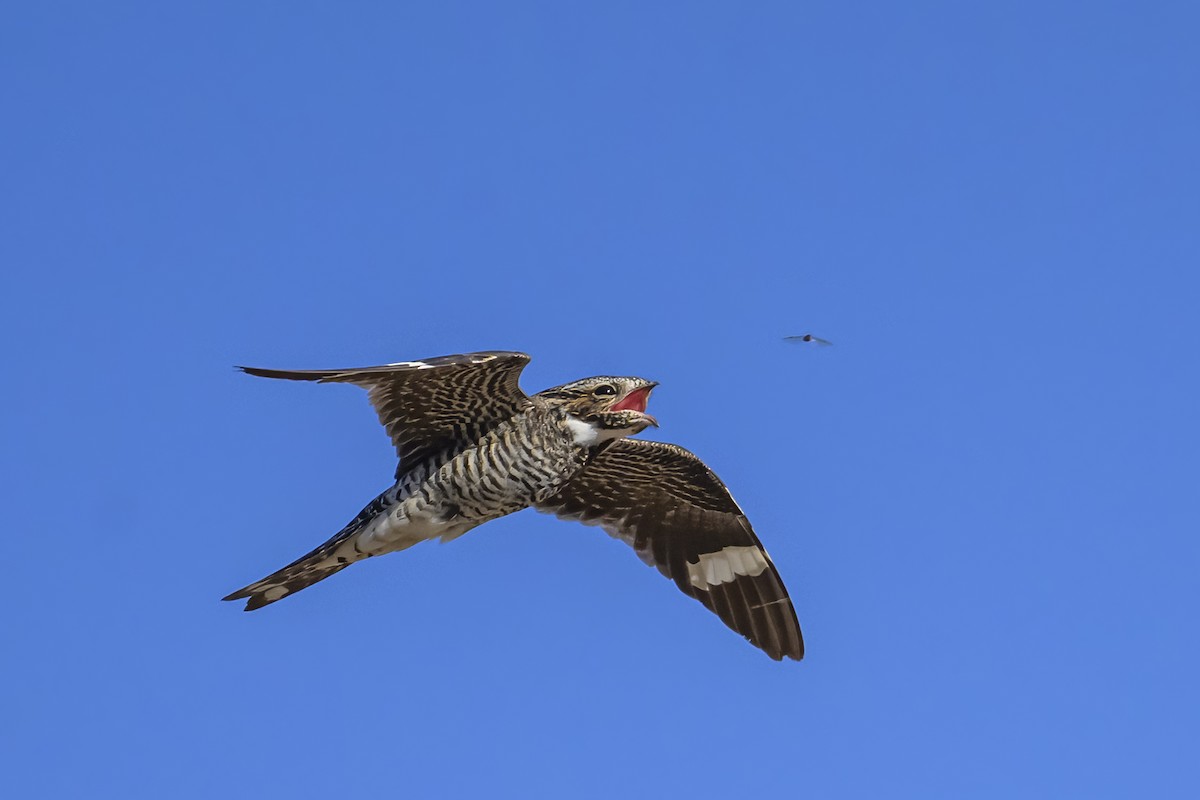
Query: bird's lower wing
(679,517)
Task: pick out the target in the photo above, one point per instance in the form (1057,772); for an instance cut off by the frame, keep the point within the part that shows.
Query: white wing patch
(414,364)
(481,359)
(727,565)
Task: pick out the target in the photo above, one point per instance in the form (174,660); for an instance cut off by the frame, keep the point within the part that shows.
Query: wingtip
(780,655)
(797,653)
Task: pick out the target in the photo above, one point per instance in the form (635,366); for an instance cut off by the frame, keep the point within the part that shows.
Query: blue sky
(983,498)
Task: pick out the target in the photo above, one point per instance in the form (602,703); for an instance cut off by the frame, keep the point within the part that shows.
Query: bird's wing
(679,517)
(808,337)
(430,405)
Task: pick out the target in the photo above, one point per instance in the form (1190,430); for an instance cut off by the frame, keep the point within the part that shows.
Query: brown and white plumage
(474,447)
(678,516)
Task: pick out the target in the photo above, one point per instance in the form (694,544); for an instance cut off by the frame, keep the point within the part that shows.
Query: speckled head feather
(605,401)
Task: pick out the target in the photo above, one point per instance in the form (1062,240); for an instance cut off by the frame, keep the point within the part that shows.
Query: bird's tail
(333,556)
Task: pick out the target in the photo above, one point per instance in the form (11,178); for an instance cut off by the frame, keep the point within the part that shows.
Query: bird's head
(603,408)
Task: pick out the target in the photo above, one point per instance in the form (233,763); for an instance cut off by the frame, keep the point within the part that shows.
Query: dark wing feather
(434,404)
(680,518)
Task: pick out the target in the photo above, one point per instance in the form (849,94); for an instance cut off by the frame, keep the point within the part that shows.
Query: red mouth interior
(634,401)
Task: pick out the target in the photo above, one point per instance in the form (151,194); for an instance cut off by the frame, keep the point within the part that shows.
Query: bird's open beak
(635,400)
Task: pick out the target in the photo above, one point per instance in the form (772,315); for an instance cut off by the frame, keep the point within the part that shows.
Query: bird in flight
(808,338)
(474,447)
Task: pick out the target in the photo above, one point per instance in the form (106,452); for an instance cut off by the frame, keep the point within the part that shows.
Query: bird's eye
(605,390)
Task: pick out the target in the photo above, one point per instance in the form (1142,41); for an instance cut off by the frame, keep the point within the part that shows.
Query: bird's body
(520,462)
(474,448)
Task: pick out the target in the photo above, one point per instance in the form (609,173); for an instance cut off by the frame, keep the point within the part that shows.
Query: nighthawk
(474,447)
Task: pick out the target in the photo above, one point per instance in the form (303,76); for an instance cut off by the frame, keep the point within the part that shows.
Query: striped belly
(510,469)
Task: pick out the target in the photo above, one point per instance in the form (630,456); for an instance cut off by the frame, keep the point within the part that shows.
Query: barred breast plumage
(519,463)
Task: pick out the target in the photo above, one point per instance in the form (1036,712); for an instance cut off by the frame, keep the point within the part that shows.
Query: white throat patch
(586,434)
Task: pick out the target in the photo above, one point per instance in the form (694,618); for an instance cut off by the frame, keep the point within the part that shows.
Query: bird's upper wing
(433,404)
(679,517)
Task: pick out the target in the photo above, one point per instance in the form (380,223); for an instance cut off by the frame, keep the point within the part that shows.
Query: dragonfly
(807,339)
